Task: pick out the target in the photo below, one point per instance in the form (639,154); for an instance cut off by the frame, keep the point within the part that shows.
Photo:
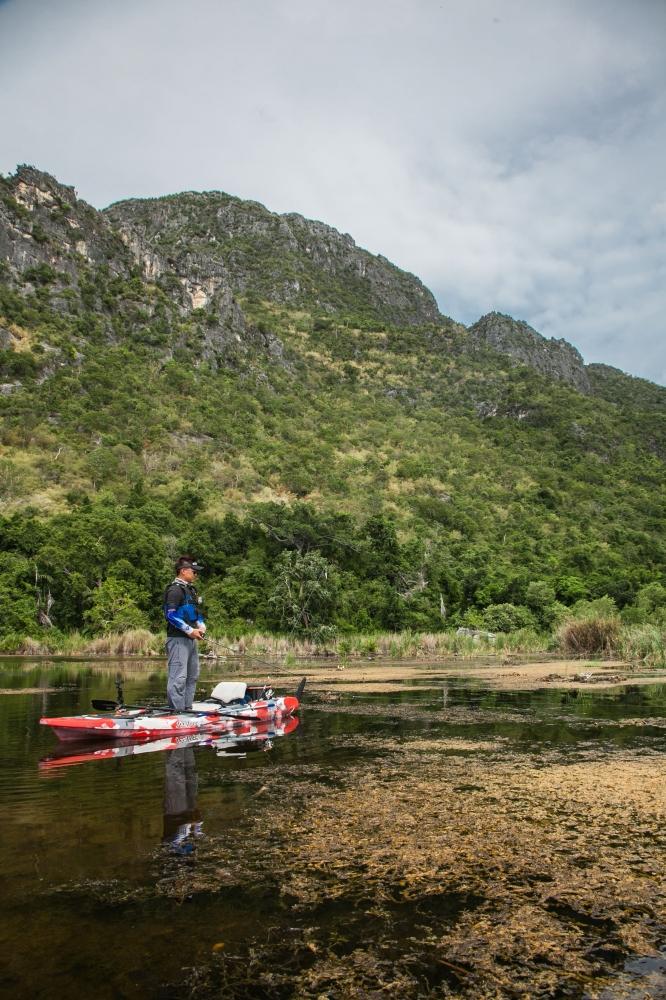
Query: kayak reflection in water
(182,820)
(238,740)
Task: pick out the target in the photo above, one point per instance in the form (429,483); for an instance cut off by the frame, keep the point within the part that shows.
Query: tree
(649,606)
(17,595)
(304,593)
(240,599)
(113,609)
(540,598)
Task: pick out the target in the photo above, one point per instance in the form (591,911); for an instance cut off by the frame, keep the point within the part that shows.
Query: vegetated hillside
(165,387)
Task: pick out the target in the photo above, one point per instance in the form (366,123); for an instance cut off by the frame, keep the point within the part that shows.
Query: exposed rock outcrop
(556,359)
(42,222)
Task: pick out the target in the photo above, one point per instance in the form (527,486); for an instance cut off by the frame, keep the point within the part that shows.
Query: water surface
(95,852)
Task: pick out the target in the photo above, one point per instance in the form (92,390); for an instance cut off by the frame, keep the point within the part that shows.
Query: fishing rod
(247,656)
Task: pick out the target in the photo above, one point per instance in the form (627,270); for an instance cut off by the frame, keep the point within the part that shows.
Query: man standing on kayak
(185,627)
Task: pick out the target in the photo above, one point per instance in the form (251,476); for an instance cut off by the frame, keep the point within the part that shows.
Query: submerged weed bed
(470,874)
(438,867)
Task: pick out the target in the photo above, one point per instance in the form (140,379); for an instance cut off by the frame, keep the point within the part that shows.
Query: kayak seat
(228,691)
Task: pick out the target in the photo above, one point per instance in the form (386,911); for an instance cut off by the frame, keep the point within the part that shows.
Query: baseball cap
(189,564)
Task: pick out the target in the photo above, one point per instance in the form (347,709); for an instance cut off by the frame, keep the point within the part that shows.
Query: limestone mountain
(197,371)
(53,243)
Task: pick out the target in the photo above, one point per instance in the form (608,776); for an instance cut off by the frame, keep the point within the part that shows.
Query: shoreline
(381,675)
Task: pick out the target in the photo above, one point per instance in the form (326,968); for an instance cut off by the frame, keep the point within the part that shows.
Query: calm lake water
(82,841)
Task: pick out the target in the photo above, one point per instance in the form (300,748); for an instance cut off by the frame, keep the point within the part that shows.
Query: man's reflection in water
(182,820)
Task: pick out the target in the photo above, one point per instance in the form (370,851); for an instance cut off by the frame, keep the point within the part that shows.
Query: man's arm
(173,618)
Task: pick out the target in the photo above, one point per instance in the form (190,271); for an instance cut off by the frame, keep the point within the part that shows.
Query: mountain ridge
(215,279)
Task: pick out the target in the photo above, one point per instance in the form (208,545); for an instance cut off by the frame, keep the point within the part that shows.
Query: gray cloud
(509,152)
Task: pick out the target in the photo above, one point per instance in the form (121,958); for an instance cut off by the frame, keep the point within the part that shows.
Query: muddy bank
(383,676)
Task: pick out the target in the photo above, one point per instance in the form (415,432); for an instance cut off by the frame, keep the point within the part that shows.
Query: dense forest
(341,457)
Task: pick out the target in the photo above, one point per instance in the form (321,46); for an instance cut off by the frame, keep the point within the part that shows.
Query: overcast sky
(511,153)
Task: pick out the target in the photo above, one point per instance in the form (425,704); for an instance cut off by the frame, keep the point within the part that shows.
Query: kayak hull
(142,724)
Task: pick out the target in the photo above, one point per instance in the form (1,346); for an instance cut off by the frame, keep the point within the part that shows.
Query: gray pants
(183,667)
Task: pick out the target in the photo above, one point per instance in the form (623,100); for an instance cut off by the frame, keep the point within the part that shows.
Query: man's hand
(196,633)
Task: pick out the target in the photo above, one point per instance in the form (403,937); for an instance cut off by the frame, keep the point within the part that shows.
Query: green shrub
(539,595)
(39,235)
(507,617)
(113,609)
(649,606)
(11,642)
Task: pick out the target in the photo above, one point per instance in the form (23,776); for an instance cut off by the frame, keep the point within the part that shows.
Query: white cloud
(509,152)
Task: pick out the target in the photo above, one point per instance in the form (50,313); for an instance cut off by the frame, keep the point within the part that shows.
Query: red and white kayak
(144,723)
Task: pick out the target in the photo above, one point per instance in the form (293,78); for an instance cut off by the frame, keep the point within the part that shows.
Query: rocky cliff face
(213,239)
(53,243)
(556,359)
(42,222)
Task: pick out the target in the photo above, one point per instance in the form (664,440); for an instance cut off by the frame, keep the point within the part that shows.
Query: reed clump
(599,636)
(32,647)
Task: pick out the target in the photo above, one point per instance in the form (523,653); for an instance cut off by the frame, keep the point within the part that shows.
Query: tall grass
(523,640)
(592,636)
(134,642)
(32,647)
(384,645)
(646,643)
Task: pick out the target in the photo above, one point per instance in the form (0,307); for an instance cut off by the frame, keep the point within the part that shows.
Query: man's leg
(177,665)
(192,674)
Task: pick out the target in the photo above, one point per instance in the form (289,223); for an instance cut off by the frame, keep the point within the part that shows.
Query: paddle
(157,710)
(111,706)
